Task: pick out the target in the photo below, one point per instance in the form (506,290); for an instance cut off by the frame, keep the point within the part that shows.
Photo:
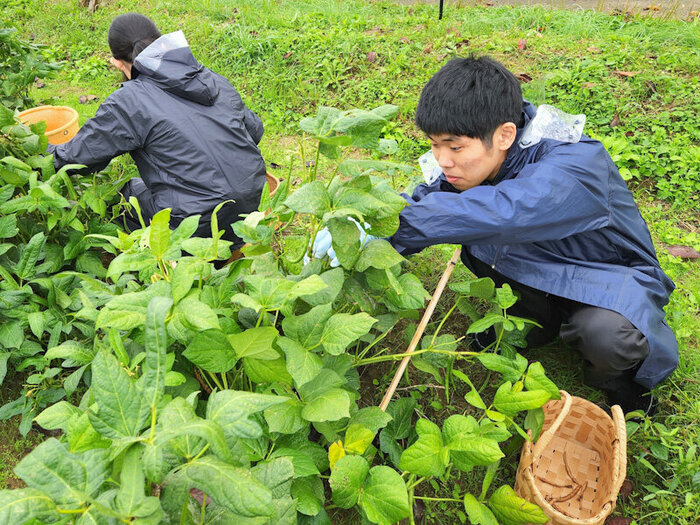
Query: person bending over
(553,218)
(191,136)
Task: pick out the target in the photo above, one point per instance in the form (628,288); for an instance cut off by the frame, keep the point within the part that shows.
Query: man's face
(466,162)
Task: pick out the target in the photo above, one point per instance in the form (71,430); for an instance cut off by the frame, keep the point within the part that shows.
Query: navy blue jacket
(558,218)
(191,136)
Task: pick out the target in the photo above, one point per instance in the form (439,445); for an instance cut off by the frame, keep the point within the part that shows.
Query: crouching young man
(554,219)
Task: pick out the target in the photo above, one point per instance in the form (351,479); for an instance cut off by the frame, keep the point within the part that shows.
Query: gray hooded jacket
(190,134)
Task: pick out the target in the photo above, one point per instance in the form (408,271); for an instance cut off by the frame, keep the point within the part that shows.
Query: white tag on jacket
(429,167)
(552,123)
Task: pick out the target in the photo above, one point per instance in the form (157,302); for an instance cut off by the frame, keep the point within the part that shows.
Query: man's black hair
(129,34)
(470,97)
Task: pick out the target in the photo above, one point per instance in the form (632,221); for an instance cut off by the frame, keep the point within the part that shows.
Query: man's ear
(121,65)
(504,136)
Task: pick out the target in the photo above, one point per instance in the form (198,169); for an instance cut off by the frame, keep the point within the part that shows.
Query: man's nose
(445,160)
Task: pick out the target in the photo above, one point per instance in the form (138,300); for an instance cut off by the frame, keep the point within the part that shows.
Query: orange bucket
(273,182)
(61,121)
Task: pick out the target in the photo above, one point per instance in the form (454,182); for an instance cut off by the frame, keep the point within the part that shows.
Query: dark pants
(137,188)
(611,347)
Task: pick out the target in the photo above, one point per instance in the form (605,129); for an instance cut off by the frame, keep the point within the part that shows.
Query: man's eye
(456,148)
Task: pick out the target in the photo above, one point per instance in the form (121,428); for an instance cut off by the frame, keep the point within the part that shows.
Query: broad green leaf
(534,421)
(385,496)
(302,365)
(286,417)
(401,411)
(358,438)
(427,456)
(82,435)
(510,401)
(184,275)
(323,381)
(334,283)
(276,474)
(322,123)
(159,235)
(378,253)
(57,416)
(211,351)
(412,296)
(308,495)
(8,227)
(482,288)
(232,487)
(197,314)
(505,298)
(507,506)
(176,413)
(512,369)
(24,269)
(372,418)
(132,482)
(72,350)
(11,334)
(535,379)
(208,430)
(26,505)
(130,262)
(233,411)
(310,198)
(308,287)
(127,311)
(307,328)
(122,410)
(342,329)
(485,323)
(156,350)
(53,470)
(475,449)
(347,479)
(478,513)
(256,343)
(266,371)
(4,356)
(346,241)
(331,405)
(303,464)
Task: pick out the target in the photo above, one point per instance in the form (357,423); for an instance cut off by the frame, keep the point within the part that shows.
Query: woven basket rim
(531,451)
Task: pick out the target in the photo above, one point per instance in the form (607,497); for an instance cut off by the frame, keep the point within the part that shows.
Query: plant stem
(216,380)
(394,357)
(425,498)
(199,454)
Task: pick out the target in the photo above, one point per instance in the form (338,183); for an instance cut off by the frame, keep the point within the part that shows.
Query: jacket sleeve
(564,193)
(105,136)
(253,124)
(439,184)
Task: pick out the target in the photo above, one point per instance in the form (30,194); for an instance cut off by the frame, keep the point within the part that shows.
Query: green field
(635,77)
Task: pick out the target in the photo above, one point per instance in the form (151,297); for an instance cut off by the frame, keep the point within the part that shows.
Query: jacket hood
(170,64)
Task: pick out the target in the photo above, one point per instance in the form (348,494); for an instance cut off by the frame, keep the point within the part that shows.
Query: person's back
(191,136)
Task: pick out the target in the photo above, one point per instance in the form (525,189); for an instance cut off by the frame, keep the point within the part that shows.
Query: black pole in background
(440,17)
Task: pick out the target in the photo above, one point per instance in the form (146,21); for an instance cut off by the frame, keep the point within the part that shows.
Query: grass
(288,57)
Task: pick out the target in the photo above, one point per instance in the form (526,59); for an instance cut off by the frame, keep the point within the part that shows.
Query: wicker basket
(575,470)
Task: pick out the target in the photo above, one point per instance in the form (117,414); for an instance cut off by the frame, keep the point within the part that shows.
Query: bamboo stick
(421,328)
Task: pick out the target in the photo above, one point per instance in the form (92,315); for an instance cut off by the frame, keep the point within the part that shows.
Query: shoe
(633,398)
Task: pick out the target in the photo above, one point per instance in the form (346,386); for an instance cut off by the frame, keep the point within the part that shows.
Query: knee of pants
(606,339)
